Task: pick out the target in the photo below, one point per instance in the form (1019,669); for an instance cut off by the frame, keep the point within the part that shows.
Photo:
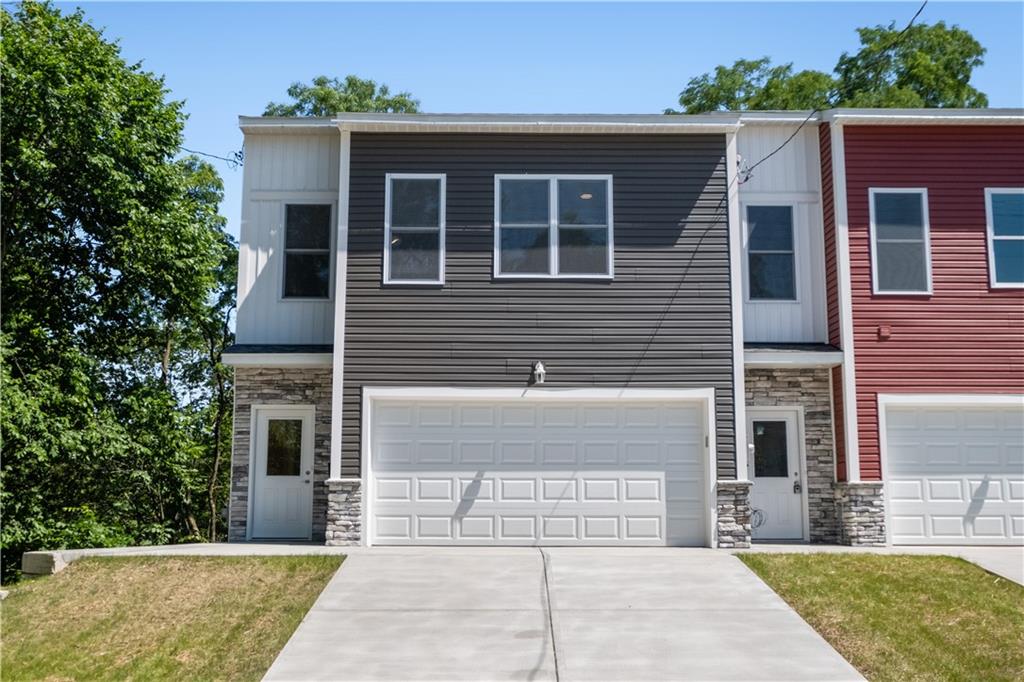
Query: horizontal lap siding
(966,337)
(671,269)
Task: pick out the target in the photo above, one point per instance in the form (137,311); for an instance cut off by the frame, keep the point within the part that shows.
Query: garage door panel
(539,474)
(953,475)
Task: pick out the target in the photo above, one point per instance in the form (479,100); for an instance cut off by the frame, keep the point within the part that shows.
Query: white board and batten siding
(280,169)
(791,177)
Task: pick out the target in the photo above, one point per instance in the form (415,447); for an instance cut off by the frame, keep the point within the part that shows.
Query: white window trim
(553,226)
(923,193)
(388,177)
(747,298)
(990,237)
(306,200)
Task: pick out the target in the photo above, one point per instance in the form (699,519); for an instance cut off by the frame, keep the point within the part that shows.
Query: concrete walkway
(1007,562)
(564,614)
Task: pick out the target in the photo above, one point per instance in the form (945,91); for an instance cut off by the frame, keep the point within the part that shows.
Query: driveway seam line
(551,621)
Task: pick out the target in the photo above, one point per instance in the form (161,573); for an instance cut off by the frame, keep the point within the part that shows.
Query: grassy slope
(222,618)
(905,617)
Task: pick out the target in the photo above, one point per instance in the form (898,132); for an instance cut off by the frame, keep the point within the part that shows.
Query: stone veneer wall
(862,513)
(344,511)
(279,386)
(809,388)
(733,514)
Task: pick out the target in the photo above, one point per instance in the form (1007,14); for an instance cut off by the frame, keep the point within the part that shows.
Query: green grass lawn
(905,617)
(146,618)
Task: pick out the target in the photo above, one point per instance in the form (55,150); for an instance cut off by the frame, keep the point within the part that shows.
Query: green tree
(328,96)
(756,84)
(117,278)
(919,66)
(928,66)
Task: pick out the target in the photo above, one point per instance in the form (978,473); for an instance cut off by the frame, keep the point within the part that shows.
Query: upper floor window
(307,251)
(771,253)
(414,218)
(553,226)
(1004,209)
(900,253)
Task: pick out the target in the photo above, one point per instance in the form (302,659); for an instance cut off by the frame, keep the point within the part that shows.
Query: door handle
(797,487)
(306,481)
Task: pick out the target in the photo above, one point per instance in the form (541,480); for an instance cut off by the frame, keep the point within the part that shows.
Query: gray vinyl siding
(664,321)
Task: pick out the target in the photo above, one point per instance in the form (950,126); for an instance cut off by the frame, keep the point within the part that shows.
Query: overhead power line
(236,159)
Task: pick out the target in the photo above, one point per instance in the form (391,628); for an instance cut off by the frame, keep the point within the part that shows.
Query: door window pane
(771,254)
(524,250)
(307,251)
(771,450)
(415,255)
(901,242)
(284,447)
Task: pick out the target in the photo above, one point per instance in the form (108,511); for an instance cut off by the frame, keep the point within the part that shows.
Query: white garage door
(527,473)
(955,474)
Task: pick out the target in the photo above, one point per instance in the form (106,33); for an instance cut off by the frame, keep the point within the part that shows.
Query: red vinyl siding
(965,337)
(832,292)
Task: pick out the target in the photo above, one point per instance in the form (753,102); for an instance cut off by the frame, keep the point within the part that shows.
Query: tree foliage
(117,284)
(921,66)
(328,96)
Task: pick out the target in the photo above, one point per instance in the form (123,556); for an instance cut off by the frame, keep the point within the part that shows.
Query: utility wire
(232,162)
(883,54)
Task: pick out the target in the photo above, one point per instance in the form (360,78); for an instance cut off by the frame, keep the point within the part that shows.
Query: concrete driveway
(566,614)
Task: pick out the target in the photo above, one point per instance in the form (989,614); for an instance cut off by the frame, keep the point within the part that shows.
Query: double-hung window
(771,253)
(900,255)
(414,216)
(1004,210)
(553,226)
(307,251)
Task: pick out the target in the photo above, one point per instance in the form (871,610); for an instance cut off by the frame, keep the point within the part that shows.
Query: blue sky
(232,58)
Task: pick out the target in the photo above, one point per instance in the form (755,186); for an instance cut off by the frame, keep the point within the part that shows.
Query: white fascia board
(789,358)
(277,359)
(665,124)
(281,124)
(925,116)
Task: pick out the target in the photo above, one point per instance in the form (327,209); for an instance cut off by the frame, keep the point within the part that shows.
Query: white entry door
(776,497)
(282,504)
(544,472)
